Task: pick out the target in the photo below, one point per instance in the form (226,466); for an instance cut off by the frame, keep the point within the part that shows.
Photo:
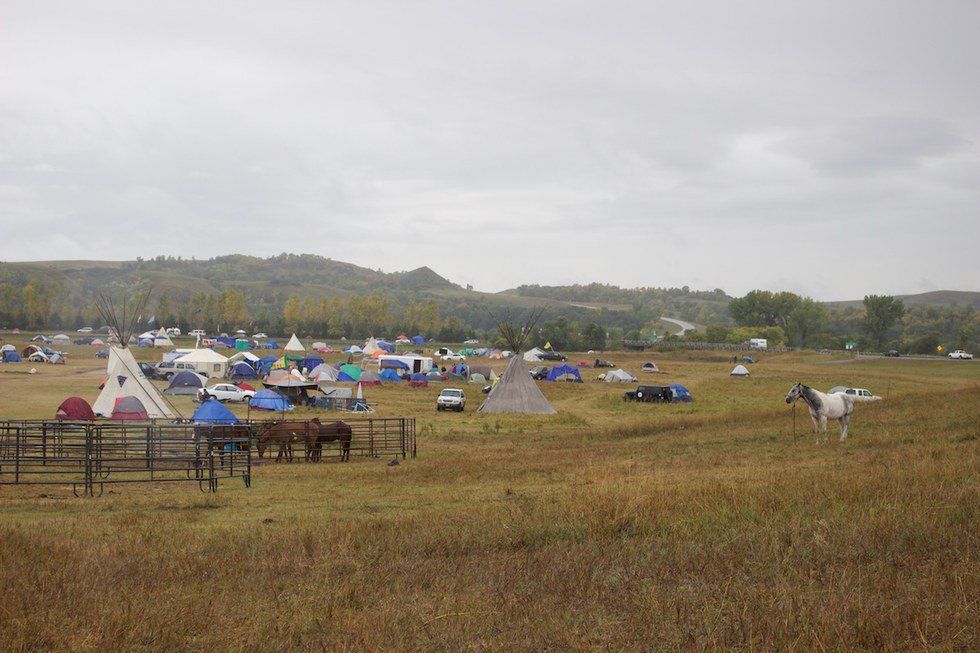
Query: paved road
(685,326)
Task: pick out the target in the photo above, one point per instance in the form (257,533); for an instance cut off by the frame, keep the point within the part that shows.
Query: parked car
(539,372)
(552,356)
(892,353)
(147,369)
(451,399)
(166,370)
(454,357)
(650,393)
(471,341)
(225,392)
(857,394)
(102,353)
(173,331)
(601,362)
(260,335)
(961,355)
(197,332)
(85,330)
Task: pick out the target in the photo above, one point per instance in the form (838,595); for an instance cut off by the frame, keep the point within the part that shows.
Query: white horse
(822,406)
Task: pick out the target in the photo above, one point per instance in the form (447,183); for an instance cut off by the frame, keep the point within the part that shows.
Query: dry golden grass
(607,526)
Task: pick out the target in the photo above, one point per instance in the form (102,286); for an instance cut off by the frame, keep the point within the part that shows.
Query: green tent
(353,371)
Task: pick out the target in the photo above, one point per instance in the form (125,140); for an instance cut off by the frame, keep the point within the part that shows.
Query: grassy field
(606,526)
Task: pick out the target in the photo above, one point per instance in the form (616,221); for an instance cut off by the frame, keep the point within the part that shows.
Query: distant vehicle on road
(650,393)
(552,356)
(197,332)
(961,355)
(471,341)
(892,353)
(85,330)
(260,335)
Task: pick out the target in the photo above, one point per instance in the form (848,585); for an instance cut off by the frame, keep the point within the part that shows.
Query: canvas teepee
(294,345)
(123,375)
(516,391)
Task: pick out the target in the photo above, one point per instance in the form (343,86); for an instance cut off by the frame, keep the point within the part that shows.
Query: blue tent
(309,362)
(418,340)
(388,347)
(564,372)
(11,357)
(680,393)
(390,375)
(265,363)
(242,371)
(345,377)
(228,342)
(747,359)
(213,411)
(269,400)
(271,344)
(417,376)
(185,383)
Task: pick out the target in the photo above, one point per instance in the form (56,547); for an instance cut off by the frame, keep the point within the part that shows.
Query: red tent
(129,407)
(74,408)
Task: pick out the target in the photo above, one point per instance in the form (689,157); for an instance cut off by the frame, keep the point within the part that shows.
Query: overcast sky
(829,148)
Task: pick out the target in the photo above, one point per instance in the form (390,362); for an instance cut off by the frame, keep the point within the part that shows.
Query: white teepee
(294,345)
(124,379)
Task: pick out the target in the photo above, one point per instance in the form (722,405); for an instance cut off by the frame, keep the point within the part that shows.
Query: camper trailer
(758,343)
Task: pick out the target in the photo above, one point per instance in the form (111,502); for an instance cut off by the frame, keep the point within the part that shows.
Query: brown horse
(285,434)
(329,432)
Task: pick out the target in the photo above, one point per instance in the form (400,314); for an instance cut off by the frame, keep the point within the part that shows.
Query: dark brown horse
(285,434)
(329,432)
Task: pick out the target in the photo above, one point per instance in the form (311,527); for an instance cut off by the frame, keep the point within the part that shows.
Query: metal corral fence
(86,456)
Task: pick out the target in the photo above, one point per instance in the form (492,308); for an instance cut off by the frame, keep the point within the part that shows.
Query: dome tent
(564,373)
(127,408)
(242,371)
(74,408)
(213,411)
(184,383)
(619,376)
(740,370)
(681,394)
(269,400)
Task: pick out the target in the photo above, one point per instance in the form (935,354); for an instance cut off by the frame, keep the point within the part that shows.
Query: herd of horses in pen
(283,435)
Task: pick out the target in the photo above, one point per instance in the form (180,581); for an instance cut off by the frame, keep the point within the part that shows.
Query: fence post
(17,455)
(404,444)
(371,437)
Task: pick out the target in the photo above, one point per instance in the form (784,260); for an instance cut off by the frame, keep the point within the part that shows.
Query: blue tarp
(230,342)
(390,375)
(269,400)
(747,359)
(558,371)
(418,377)
(345,377)
(394,364)
(11,357)
(213,411)
(386,346)
(242,370)
(418,340)
(680,393)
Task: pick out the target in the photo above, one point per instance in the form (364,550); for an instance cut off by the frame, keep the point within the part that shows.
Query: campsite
(609,505)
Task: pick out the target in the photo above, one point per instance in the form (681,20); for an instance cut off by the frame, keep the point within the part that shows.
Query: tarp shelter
(74,408)
(319,346)
(266,362)
(242,371)
(387,346)
(124,378)
(128,407)
(516,392)
(740,370)
(370,377)
(349,373)
(649,367)
(680,393)
(393,364)
(269,400)
(534,355)
(61,339)
(56,359)
(38,357)
(484,374)
(184,383)
(309,363)
(619,376)
(434,374)
(294,345)
(353,349)
(244,356)
(390,375)
(564,372)
(11,357)
(206,361)
(418,340)
(747,359)
(213,411)
(8,347)
(378,353)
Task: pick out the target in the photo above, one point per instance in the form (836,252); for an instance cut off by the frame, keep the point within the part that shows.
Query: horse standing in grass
(329,432)
(285,434)
(822,406)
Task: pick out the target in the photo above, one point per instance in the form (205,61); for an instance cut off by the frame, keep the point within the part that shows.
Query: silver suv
(451,399)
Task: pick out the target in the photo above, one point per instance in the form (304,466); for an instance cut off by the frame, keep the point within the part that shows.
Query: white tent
(649,367)
(294,345)
(323,372)
(206,361)
(162,339)
(61,339)
(534,355)
(124,378)
(619,376)
(740,370)
(371,346)
(243,355)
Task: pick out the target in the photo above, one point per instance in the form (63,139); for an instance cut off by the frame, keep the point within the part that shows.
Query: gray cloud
(830,149)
